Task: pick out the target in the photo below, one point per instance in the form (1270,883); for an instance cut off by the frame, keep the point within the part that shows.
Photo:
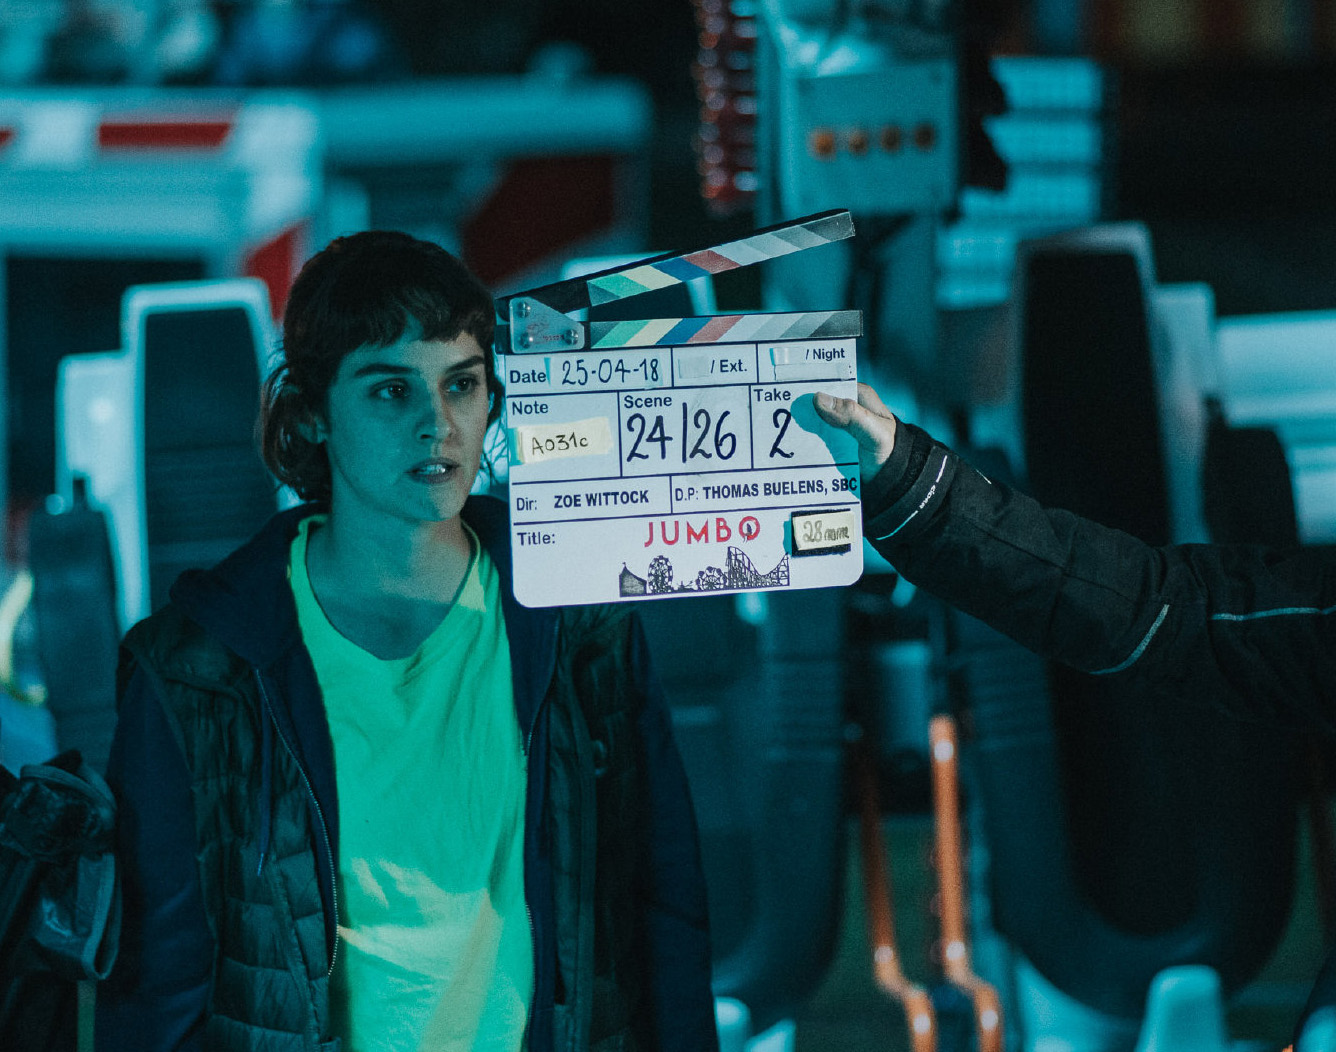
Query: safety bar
(951,885)
(890,978)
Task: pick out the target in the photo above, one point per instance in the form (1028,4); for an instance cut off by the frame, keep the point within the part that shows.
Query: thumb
(868,420)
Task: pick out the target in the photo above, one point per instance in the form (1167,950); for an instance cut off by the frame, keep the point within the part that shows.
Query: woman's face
(404,430)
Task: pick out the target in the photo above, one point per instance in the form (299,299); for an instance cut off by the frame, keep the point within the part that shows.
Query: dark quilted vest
(271,984)
(597,781)
(271,979)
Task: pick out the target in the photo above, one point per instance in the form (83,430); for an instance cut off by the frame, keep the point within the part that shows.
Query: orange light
(821,142)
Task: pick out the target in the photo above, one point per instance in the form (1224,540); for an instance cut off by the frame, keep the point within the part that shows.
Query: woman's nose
(435,421)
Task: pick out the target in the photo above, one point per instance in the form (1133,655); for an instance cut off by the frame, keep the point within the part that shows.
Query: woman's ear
(312,428)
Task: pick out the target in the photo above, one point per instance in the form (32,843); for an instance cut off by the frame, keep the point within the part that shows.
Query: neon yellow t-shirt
(436,952)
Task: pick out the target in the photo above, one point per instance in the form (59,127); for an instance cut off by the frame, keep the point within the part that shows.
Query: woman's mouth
(432,470)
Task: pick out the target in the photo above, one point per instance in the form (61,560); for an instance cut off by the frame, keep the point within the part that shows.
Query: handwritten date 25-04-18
(581,372)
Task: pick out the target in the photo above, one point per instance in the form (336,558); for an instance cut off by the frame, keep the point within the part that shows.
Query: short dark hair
(363,290)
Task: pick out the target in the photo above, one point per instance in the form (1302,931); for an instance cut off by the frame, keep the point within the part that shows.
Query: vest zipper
(324,829)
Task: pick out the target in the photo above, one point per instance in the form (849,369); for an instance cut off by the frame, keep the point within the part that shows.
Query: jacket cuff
(914,481)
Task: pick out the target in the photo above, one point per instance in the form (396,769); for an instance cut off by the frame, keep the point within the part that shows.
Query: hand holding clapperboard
(678,456)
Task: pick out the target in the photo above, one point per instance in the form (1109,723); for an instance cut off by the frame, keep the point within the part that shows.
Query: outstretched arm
(1252,630)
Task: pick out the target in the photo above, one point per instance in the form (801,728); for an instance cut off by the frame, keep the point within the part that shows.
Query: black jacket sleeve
(155,998)
(1245,628)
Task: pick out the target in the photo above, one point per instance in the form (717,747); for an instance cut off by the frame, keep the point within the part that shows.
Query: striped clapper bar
(545,319)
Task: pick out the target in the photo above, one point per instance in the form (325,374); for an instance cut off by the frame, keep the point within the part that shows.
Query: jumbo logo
(747,528)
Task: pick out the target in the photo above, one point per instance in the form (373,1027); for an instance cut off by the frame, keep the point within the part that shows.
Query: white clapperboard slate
(675,457)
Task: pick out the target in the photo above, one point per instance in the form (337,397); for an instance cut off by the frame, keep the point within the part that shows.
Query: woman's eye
(464,384)
(390,391)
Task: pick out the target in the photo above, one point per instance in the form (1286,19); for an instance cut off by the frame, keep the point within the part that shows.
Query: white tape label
(535,443)
(826,531)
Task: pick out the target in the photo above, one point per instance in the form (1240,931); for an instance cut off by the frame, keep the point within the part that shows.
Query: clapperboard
(672,457)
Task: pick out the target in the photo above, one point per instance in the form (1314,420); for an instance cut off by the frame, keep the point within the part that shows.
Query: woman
(367,800)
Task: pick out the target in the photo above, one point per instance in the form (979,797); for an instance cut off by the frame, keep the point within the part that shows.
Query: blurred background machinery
(1088,254)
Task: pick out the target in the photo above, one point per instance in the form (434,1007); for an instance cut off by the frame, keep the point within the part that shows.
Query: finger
(871,401)
(868,420)
(838,412)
